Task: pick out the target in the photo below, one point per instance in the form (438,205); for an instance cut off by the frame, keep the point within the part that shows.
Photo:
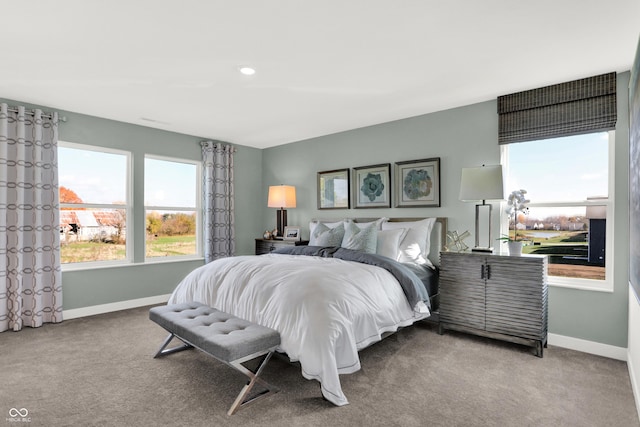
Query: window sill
(581,284)
(124,264)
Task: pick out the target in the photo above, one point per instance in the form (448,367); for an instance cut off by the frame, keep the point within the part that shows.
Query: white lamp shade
(282,196)
(482,183)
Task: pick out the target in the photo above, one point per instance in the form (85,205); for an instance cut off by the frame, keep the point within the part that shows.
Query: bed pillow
(322,235)
(363,239)
(414,247)
(377,222)
(314,224)
(389,241)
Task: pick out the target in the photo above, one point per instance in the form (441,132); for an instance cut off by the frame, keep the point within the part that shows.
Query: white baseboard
(633,374)
(114,306)
(591,347)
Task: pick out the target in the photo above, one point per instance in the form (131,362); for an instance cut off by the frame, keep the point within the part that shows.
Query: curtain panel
(218,200)
(31,290)
(572,108)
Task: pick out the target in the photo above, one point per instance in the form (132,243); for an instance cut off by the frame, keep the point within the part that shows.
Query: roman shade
(571,108)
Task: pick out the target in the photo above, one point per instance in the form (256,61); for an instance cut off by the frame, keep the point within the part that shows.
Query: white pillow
(377,222)
(360,239)
(389,241)
(314,224)
(324,236)
(416,244)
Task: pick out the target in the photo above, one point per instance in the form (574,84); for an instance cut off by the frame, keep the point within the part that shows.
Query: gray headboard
(438,234)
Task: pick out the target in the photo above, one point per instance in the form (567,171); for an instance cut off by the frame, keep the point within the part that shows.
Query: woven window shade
(581,106)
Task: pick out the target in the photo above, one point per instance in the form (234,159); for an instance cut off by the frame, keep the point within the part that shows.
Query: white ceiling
(322,66)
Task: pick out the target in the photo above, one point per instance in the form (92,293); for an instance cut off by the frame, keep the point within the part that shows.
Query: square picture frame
(291,233)
(417,183)
(372,186)
(333,189)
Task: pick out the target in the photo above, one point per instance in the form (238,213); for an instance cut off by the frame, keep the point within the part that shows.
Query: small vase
(515,248)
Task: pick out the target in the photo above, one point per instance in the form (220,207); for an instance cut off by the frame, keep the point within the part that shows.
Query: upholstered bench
(227,338)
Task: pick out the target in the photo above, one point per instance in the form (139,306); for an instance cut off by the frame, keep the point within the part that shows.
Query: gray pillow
(325,236)
(363,239)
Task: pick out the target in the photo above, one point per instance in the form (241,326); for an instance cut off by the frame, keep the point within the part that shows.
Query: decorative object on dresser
(264,246)
(372,186)
(333,189)
(282,197)
(517,207)
(418,183)
(291,233)
(495,296)
(482,183)
(455,241)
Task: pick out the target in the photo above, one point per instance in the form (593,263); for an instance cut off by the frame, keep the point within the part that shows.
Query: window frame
(197,209)
(606,285)
(128,208)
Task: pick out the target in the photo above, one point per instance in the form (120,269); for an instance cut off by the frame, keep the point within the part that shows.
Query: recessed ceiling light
(246,70)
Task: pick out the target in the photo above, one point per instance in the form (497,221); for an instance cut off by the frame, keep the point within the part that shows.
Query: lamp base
(485,250)
(281,221)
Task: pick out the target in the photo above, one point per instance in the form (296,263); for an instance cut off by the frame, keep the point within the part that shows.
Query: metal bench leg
(243,398)
(163,352)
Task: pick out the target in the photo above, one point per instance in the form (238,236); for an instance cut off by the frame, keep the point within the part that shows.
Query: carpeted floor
(99,371)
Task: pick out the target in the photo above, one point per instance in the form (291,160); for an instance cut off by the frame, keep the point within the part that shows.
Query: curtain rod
(32,113)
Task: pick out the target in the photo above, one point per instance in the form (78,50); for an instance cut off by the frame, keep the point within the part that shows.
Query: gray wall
(461,137)
(83,288)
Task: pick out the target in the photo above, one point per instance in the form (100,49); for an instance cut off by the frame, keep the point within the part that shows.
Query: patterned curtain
(29,219)
(218,204)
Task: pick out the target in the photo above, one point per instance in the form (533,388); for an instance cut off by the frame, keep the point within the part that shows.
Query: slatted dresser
(496,296)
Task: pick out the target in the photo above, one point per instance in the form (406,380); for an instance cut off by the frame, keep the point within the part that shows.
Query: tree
(154,223)
(69,196)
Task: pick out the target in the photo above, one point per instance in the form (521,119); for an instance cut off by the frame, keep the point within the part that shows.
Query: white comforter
(325,309)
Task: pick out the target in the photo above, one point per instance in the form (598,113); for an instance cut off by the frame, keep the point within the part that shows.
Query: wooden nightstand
(264,246)
(496,296)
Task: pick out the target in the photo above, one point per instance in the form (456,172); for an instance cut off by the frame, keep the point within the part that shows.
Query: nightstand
(264,246)
(496,296)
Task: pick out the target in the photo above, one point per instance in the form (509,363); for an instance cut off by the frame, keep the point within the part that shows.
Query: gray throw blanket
(414,289)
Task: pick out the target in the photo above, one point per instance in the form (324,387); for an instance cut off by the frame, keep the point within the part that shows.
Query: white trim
(633,352)
(635,387)
(114,306)
(591,347)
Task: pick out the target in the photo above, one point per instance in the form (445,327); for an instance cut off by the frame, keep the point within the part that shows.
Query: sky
(561,169)
(99,177)
(566,169)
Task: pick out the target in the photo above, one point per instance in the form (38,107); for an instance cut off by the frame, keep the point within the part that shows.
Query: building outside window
(570,218)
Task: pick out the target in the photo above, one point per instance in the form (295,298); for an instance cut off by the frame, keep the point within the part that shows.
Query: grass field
(97,251)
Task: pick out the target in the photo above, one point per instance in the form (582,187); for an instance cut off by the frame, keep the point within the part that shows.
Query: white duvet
(325,309)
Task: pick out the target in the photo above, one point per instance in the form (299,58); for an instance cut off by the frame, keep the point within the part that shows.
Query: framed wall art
(372,186)
(418,183)
(333,189)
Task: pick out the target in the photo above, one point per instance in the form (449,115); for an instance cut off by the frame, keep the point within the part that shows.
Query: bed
(334,297)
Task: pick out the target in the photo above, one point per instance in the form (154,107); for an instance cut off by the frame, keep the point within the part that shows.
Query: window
(171,207)
(569,182)
(94,203)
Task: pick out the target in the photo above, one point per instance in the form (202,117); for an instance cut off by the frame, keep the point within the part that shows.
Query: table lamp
(482,183)
(281,197)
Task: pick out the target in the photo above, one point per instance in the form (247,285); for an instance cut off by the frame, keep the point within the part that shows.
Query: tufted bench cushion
(220,334)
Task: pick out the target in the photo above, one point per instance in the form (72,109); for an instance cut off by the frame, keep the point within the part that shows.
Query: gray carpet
(99,371)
